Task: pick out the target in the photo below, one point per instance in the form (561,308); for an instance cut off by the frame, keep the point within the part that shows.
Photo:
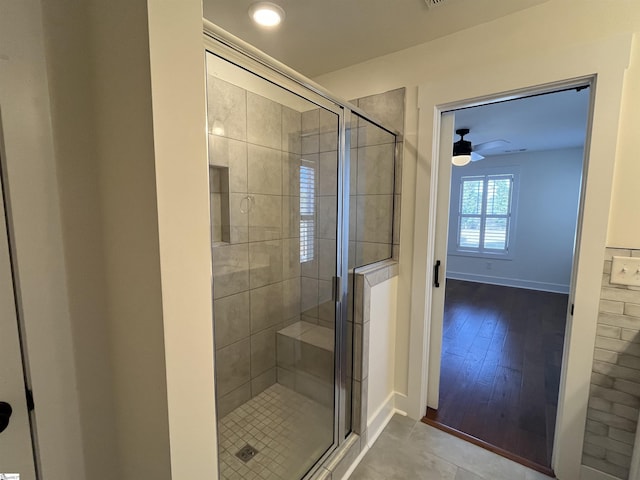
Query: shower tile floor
(289,431)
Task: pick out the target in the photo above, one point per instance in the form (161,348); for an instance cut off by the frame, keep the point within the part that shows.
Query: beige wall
(34,219)
(118,242)
(508,39)
(114,108)
(67,47)
(122,118)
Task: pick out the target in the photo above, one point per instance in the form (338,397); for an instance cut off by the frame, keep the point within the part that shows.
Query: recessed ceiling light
(266,14)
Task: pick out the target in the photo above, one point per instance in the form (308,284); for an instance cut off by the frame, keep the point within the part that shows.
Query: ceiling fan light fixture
(460,160)
(461,149)
(266,14)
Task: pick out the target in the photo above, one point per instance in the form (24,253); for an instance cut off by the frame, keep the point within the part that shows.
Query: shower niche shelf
(219,192)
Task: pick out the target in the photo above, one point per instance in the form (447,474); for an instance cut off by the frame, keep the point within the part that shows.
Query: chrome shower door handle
(336,289)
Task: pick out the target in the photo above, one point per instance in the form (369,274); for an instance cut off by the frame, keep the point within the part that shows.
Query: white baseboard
(401,403)
(588,473)
(509,282)
(379,419)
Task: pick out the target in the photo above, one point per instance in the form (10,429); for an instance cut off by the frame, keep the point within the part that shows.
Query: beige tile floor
(410,450)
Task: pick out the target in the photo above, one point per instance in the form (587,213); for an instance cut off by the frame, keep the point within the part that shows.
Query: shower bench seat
(304,358)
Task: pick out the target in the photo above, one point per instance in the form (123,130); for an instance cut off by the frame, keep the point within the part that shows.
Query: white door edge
(442,177)
(16,447)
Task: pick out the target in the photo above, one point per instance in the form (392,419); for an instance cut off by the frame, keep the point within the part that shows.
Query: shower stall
(301,193)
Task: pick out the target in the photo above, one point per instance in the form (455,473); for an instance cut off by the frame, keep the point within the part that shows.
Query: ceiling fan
(464,152)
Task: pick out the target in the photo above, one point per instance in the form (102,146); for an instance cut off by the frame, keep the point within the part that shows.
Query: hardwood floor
(501,359)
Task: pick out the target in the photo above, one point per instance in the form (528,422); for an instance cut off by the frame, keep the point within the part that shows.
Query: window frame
(455,215)
(308,193)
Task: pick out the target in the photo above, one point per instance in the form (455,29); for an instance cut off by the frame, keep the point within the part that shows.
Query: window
(307,211)
(484,213)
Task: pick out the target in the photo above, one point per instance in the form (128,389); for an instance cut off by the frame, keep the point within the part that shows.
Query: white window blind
(484,216)
(307,211)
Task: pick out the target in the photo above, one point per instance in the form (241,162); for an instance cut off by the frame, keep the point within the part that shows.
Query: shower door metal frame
(340,375)
(232,49)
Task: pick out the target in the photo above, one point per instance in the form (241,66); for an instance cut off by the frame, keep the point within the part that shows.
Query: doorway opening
(508,228)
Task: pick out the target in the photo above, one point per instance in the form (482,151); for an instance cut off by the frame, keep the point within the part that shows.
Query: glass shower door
(273,174)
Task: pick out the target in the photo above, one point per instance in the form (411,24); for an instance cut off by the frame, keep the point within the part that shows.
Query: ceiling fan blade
(493,144)
(476,156)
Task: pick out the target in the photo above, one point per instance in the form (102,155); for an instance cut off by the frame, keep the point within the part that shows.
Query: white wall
(182,167)
(623,230)
(382,345)
(511,53)
(481,49)
(546,200)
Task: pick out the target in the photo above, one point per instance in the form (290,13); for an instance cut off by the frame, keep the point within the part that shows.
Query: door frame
(440,181)
(603,63)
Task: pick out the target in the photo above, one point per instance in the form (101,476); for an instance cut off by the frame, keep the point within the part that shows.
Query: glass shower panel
(371,193)
(371,214)
(273,163)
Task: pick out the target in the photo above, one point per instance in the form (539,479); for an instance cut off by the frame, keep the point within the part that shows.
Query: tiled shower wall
(256,273)
(614,399)
(256,148)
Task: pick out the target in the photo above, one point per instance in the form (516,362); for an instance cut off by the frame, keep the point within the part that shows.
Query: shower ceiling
(320,36)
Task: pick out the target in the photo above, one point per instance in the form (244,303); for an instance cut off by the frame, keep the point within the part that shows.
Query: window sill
(493,256)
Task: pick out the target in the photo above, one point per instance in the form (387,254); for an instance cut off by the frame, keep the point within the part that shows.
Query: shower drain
(246,453)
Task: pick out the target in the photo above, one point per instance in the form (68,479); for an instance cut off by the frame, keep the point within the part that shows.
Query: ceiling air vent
(434,3)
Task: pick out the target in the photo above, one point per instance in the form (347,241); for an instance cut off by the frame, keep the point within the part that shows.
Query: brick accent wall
(614,399)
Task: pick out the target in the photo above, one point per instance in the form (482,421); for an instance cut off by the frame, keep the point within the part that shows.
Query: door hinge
(572,305)
(30,404)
